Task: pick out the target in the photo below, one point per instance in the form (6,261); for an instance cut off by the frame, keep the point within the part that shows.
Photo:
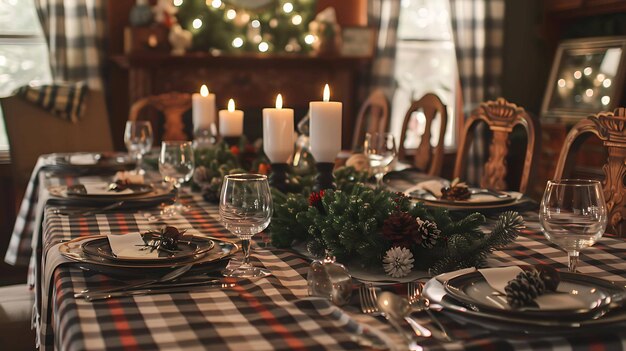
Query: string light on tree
(605,100)
(309,39)
(197,23)
(178,2)
(287,7)
(263,46)
(231,14)
(237,42)
(255,24)
(606,83)
(296,20)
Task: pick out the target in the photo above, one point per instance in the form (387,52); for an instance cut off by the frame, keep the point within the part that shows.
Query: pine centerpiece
(361,225)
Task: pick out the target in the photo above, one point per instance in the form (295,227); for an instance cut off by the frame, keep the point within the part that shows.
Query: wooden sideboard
(252,80)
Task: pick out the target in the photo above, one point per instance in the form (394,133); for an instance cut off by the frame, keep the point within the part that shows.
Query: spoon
(395,308)
(418,303)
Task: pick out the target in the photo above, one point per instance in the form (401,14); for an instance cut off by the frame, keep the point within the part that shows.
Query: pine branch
(505,231)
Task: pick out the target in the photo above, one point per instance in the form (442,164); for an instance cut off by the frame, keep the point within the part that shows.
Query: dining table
(270,313)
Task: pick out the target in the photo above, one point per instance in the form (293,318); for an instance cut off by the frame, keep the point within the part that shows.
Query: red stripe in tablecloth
(127,340)
(292,342)
(121,222)
(83,227)
(214,228)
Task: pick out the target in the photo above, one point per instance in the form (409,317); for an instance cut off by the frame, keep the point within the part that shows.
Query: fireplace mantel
(253,80)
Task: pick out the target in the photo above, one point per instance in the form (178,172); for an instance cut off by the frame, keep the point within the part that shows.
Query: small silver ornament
(329,279)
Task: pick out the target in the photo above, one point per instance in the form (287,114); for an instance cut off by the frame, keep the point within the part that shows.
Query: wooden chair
(501,117)
(377,108)
(172,106)
(425,156)
(33,131)
(610,128)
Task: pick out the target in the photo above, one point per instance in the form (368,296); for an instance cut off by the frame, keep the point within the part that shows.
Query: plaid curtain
(478,30)
(75,32)
(383,17)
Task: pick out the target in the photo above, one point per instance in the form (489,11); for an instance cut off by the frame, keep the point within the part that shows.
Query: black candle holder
(278,177)
(325,178)
(231,140)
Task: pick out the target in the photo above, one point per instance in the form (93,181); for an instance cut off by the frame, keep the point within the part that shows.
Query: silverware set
(88,211)
(398,312)
(162,285)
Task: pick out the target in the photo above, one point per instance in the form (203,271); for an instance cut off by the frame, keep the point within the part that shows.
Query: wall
(526,55)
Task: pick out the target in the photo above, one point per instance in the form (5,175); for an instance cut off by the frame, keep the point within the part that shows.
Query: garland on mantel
(363,225)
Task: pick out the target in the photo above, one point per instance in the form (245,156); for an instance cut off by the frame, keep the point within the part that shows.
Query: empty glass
(138,140)
(573,215)
(246,209)
(380,149)
(176,165)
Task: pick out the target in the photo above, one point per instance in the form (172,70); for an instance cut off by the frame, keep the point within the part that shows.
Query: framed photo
(357,41)
(587,77)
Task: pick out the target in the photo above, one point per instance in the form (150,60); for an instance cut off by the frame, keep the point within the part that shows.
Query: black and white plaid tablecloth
(272,313)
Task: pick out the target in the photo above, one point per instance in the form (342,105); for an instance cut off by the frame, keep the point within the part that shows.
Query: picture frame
(587,77)
(358,41)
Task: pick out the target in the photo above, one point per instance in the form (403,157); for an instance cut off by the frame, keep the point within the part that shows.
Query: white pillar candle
(203,109)
(278,132)
(231,121)
(325,128)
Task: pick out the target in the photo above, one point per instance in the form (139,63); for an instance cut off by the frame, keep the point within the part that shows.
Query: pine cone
(523,290)
(428,232)
(402,230)
(456,191)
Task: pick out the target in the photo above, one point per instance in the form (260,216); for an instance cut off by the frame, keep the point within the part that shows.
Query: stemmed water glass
(176,165)
(573,215)
(138,140)
(380,149)
(246,209)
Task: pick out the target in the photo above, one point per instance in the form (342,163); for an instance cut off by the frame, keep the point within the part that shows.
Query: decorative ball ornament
(359,162)
(329,279)
(398,262)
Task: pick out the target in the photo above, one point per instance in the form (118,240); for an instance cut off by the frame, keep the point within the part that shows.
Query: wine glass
(573,215)
(380,149)
(246,209)
(138,140)
(176,164)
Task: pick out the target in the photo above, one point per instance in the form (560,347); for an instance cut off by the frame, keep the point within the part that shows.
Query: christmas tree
(248,26)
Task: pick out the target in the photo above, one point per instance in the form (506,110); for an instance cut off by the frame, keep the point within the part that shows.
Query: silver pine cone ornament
(398,262)
(428,231)
(523,290)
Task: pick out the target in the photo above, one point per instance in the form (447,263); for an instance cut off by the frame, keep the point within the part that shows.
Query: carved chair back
(172,106)
(377,108)
(501,117)
(426,157)
(610,128)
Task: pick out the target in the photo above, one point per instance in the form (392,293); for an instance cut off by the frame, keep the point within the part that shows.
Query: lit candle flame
(279,101)
(204,91)
(326,93)
(231,105)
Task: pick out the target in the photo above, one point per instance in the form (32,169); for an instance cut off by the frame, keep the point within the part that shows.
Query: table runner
(270,313)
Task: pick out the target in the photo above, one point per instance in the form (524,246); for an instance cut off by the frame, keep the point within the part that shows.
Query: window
(23,51)
(425,63)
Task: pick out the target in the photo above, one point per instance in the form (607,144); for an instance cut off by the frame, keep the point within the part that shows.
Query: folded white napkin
(498,278)
(433,186)
(83,159)
(129,177)
(103,189)
(129,246)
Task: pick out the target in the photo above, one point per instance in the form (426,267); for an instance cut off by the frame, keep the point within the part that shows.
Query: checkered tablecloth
(272,313)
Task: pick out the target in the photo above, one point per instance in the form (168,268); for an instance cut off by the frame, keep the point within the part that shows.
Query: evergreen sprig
(473,254)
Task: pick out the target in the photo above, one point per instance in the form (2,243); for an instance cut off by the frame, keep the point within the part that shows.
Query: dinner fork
(420,303)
